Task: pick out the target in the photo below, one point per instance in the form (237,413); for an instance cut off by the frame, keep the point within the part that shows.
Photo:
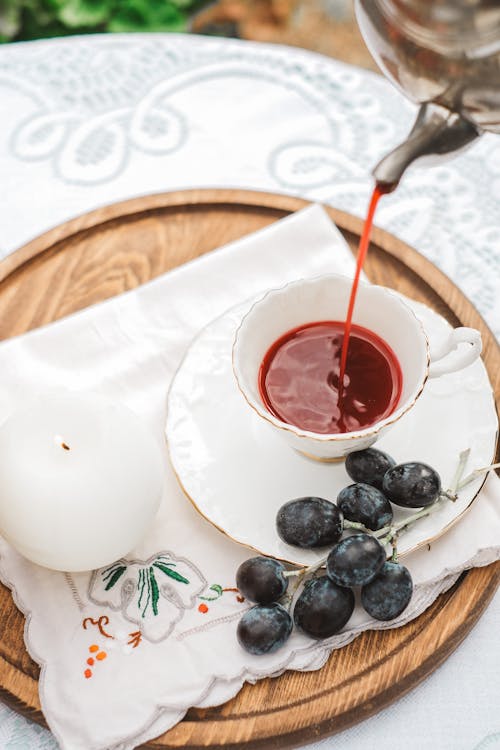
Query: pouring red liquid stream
(302,376)
(379,190)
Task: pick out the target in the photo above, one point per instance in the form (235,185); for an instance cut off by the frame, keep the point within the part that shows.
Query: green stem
(290,595)
(462,462)
(421,514)
(477,473)
(388,537)
(390,531)
(448,495)
(381,533)
(356,525)
(307,569)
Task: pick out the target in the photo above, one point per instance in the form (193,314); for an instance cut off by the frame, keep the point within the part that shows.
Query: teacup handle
(449,357)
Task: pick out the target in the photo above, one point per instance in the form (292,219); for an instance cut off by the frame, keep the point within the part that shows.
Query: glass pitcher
(445,56)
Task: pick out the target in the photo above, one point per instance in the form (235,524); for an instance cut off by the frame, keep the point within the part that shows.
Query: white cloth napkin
(156,666)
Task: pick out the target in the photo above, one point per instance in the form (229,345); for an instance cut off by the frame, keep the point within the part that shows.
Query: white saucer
(237,472)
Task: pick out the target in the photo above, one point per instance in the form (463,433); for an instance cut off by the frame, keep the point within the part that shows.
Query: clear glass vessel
(445,56)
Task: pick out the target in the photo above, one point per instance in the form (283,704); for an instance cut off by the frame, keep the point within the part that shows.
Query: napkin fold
(157,664)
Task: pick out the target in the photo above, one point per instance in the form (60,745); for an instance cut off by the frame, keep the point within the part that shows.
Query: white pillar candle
(81,479)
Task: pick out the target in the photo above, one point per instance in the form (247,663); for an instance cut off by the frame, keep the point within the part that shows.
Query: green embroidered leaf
(105,572)
(148,587)
(155,592)
(171,573)
(218,591)
(140,586)
(115,577)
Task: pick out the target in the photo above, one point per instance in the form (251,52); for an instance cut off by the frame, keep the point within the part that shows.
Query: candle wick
(58,440)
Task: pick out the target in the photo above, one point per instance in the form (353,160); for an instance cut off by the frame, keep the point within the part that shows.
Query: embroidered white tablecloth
(88,121)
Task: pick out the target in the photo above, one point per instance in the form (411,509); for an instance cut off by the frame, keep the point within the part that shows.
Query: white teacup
(380,310)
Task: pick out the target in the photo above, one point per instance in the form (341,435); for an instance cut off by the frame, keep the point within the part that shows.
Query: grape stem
(448,495)
(300,573)
(306,570)
(476,474)
(388,532)
(394,556)
(462,463)
(356,525)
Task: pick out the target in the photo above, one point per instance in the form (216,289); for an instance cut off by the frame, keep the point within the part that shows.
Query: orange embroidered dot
(203,609)
(93,648)
(90,661)
(88,673)
(101,655)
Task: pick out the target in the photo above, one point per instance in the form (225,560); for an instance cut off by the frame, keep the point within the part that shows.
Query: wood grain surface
(118,247)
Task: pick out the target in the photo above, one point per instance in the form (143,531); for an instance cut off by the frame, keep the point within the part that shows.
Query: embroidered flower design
(153,594)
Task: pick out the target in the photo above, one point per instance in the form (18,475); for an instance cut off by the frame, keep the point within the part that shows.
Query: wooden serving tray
(118,247)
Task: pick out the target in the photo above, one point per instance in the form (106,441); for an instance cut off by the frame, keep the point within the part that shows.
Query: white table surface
(91,120)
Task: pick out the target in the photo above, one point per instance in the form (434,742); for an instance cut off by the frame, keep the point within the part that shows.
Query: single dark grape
(369,466)
(412,485)
(389,593)
(365,504)
(261,580)
(309,522)
(355,560)
(264,628)
(323,608)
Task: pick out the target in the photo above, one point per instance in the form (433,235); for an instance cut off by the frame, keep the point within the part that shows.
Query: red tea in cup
(299,378)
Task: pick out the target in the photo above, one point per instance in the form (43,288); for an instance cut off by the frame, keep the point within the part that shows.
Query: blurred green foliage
(35,19)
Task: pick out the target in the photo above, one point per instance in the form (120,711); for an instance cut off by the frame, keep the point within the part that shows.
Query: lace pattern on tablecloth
(139,114)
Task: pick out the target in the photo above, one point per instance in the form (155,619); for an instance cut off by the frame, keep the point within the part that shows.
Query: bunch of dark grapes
(357,560)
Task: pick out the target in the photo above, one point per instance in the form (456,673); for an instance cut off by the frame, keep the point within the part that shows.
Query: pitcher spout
(437,132)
